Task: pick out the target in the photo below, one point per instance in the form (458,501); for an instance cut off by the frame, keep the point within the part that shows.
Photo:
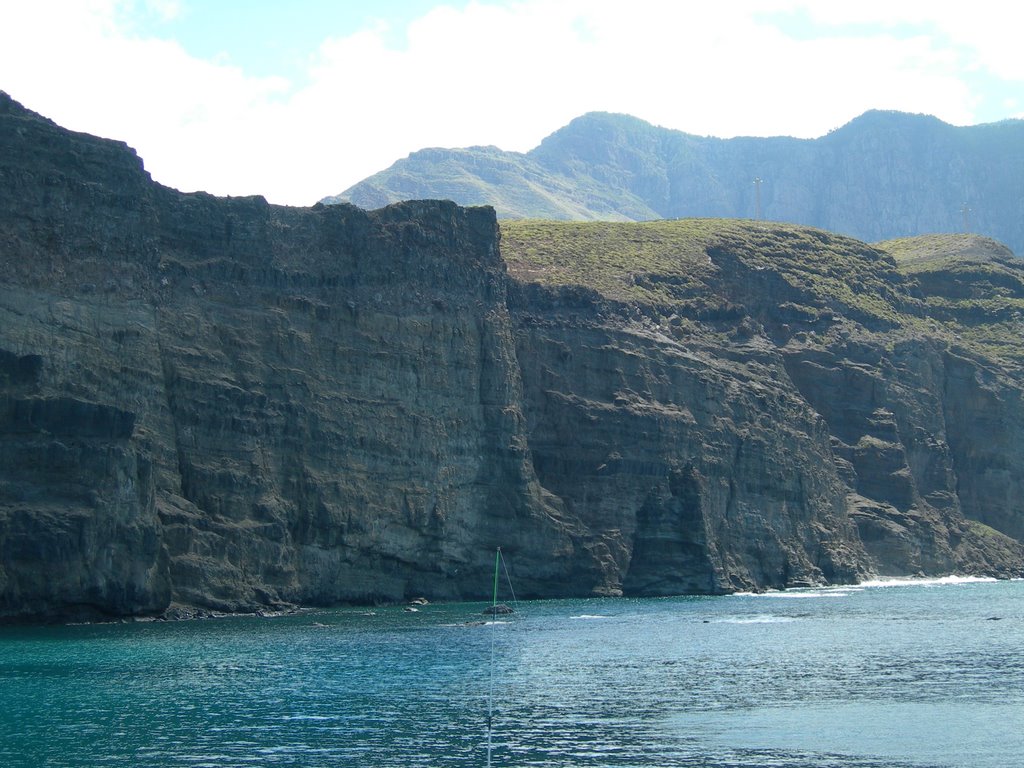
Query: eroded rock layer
(223,404)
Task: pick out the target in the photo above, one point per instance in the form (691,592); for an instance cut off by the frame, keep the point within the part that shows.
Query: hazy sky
(300,99)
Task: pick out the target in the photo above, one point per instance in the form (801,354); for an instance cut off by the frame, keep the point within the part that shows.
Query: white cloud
(505,74)
(186,117)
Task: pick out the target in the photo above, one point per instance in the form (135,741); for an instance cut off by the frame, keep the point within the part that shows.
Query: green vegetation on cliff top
(925,253)
(668,261)
(972,285)
(964,289)
(609,257)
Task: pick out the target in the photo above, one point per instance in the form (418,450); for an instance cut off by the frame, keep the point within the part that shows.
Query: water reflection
(909,676)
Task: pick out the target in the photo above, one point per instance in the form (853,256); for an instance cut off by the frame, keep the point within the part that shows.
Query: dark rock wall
(692,472)
(983,413)
(79,530)
(777,440)
(231,405)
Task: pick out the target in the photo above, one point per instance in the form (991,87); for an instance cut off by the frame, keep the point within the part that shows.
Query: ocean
(926,674)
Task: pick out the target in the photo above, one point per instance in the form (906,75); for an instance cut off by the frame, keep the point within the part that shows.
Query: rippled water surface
(929,674)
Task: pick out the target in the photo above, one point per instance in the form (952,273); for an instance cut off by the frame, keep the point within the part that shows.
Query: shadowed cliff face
(227,404)
(224,404)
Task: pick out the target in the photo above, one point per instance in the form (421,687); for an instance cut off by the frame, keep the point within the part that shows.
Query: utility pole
(757,192)
(965,210)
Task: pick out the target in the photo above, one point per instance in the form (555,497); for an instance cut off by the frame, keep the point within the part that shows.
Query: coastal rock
(751,405)
(261,406)
(220,405)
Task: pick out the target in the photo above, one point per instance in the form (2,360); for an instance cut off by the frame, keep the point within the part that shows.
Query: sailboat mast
(494,616)
(497,563)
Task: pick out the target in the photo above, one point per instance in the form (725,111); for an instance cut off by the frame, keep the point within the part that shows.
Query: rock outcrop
(227,405)
(768,405)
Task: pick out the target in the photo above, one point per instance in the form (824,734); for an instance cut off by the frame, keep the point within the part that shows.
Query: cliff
(779,405)
(882,175)
(223,404)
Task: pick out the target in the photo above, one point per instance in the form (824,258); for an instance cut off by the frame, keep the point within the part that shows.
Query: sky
(299,100)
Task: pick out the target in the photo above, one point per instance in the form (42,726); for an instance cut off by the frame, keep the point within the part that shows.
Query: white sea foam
(815,593)
(590,616)
(803,593)
(845,590)
(757,619)
(937,581)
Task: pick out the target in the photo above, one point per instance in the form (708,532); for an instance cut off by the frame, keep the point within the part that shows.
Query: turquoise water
(911,675)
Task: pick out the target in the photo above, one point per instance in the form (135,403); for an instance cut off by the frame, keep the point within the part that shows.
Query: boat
(494,610)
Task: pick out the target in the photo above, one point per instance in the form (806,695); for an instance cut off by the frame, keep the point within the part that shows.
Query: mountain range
(883,175)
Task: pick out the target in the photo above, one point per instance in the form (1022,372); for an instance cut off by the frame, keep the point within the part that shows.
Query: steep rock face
(260,405)
(358,414)
(758,405)
(694,472)
(79,531)
(224,404)
(910,407)
(79,535)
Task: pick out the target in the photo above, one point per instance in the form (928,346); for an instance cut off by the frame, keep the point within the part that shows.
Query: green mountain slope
(881,176)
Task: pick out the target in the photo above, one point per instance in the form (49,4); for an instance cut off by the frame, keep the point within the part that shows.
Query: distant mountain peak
(885,174)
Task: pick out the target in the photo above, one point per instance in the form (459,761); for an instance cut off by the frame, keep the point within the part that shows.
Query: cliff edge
(228,405)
